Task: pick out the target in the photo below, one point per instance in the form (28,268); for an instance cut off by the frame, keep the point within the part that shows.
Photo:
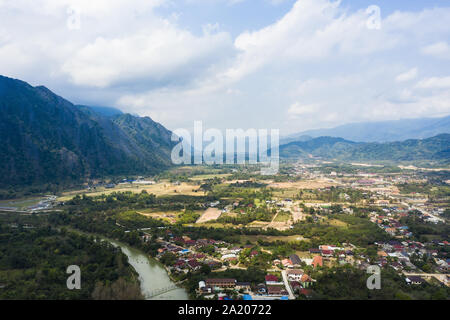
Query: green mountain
(47,139)
(434,148)
(381,131)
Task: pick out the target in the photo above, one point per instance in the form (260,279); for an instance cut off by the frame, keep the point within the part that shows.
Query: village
(290,229)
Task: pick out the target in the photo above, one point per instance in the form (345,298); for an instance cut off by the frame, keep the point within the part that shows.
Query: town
(230,233)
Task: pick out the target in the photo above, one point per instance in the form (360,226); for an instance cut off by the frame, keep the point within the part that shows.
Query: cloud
(117,43)
(439,50)
(434,82)
(317,65)
(161,55)
(297,109)
(407,76)
(322,55)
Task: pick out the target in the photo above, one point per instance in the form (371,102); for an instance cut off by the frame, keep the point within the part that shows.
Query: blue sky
(291,65)
(238,16)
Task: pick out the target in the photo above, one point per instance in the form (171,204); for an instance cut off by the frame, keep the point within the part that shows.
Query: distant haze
(383,131)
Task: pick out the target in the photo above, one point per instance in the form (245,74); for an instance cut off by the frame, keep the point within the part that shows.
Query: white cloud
(439,50)
(158,55)
(407,76)
(127,54)
(298,109)
(434,82)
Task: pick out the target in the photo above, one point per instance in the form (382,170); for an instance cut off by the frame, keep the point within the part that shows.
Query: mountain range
(434,148)
(382,131)
(47,139)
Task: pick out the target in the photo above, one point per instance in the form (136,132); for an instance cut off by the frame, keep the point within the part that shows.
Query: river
(152,275)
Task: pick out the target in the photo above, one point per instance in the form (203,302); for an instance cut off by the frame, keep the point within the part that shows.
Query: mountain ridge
(380,131)
(47,139)
(433,148)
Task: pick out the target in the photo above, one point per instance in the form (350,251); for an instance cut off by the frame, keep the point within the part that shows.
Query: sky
(292,65)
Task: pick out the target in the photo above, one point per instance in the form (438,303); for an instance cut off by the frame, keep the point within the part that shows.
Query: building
(295,259)
(272,280)
(194,264)
(317,261)
(294,274)
(415,280)
(306,281)
(243,285)
(327,253)
(276,290)
(221,283)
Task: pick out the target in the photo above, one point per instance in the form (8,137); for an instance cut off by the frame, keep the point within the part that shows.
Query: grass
(337,223)
(254,238)
(304,254)
(159,189)
(215,225)
(168,216)
(210,176)
(20,204)
(282,217)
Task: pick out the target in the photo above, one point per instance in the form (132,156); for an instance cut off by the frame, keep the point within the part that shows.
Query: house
(295,259)
(327,253)
(305,292)
(382,254)
(306,281)
(254,253)
(287,263)
(296,286)
(261,288)
(414,280)
(194,264)
(272,280)
(243,285)
(294,274)
(276,290)
(230,256)
(180,265)
(221,283)
(317,261)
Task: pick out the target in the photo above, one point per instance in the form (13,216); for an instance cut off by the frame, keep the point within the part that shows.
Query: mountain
(434,148)
(47,139)
(384,131)
(104,111)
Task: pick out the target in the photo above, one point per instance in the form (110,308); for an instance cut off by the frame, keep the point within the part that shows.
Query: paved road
(286,284)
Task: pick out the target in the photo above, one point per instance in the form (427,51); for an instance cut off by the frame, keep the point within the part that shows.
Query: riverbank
(155,279)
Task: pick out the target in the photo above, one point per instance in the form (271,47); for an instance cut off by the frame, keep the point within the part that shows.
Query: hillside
(47,139)
(434,148)
(382,131)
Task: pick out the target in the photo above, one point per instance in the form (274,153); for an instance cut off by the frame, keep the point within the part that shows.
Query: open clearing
(209,215)
(169,216)
(307,184)
(291,189)
(337,223)
(159,189)
(210,176)
(20,204)
(255,238)
(258,224)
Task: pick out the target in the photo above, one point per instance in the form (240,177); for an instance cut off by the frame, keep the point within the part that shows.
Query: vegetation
(48,140)
(435,148)
(33,263)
